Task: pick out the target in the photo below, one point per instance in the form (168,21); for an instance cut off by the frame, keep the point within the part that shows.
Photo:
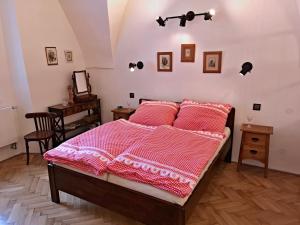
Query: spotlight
(161,22)
(246,67)
(207,16)
(139,65)
(183,21)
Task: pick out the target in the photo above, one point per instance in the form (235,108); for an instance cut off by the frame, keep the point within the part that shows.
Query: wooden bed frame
(139,206)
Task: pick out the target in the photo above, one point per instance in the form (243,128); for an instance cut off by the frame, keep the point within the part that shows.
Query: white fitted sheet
(158,193)
(101,177)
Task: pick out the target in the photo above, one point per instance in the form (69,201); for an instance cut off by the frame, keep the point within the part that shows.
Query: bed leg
(53,189)
(228,156)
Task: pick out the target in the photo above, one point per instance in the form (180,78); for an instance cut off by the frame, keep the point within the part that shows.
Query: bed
(127,199)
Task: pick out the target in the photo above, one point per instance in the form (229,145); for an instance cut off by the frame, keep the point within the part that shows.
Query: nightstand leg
(240,154)
(266,171)
(267,156)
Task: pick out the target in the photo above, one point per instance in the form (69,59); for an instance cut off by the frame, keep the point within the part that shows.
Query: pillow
(202,116)
(155,113)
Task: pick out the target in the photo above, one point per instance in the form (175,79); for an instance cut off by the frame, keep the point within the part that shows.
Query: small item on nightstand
(122,113)
(120,107)
(255,144)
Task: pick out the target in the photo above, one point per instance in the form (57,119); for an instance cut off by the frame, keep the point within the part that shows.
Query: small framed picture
(212,62)
(188,52)
(165,61)
(51,55)
(69,56)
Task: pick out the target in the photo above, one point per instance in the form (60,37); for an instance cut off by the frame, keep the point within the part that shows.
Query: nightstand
(255,144)
(122,113)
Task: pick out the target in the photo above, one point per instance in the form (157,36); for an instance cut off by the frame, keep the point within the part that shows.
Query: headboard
(230,118)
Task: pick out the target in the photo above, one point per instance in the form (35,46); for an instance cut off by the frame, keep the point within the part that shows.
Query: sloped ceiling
(116,11)
(96,23)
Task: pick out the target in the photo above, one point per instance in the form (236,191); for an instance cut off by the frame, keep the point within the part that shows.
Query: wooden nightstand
(122,113)
(255,144)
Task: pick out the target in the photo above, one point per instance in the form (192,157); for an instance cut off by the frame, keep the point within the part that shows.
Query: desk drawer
(253,152)
(91,105)
(68,111)
(255,139)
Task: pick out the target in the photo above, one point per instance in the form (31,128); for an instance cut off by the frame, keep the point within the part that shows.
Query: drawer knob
(253,152)
(255,139)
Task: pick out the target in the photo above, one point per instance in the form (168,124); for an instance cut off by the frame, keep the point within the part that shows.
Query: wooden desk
(61,129)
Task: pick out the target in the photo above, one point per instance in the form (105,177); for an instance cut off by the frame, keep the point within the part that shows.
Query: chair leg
(27,151)
(47,145)
(41,147)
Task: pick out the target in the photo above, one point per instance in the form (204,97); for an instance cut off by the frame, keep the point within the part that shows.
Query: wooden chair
(44,125)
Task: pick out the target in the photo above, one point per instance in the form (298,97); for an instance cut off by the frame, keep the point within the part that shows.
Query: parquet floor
(232,198)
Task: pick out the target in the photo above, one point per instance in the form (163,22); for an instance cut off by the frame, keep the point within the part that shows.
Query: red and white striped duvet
(168,158)
(93,150)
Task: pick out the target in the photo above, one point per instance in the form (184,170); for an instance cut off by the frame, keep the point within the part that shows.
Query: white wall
(267,33)
(30,26)
(7,97)
(6,93)
(47,26)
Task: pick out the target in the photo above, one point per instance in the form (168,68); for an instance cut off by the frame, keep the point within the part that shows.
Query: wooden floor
(232,198)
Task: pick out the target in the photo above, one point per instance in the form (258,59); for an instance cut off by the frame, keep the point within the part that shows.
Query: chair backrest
(43,121)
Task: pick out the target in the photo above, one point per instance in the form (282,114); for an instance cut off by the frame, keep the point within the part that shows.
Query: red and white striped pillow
(202,116)
(155,113)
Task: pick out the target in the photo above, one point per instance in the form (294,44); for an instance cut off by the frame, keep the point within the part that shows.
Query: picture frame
(51,55)
(212,62)
(164,61)
(188,52)
(68,56)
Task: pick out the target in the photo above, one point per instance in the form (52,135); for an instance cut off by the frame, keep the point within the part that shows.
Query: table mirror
(81,82)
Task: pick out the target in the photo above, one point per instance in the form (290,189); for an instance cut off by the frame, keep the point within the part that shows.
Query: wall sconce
(139,65)
(246,67)
(186,17)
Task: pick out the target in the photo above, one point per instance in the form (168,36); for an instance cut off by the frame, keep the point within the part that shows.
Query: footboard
(136,205)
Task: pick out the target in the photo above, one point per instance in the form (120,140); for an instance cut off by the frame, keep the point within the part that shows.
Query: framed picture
(69,56)
(165,61)
(51,55)
(212,62)
(188,52)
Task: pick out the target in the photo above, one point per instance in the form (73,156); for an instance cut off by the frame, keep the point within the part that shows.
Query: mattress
(101,177)
(155,192)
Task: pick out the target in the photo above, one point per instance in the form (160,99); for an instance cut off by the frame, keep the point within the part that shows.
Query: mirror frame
(87,78)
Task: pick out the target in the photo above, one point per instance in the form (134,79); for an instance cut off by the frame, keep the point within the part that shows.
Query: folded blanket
(93,150)
(168,158)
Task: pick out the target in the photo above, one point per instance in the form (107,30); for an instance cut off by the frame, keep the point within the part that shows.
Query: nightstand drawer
(255,139)
(253,152)
(118,116)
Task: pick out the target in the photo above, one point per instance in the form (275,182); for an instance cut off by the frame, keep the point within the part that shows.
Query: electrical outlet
(256,107)
(131,95)
(14,146)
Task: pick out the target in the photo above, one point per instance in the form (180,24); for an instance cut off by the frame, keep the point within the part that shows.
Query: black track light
(183,21)
(246,67)
(161,22)
(139,65)
(207,16)
(186,17)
